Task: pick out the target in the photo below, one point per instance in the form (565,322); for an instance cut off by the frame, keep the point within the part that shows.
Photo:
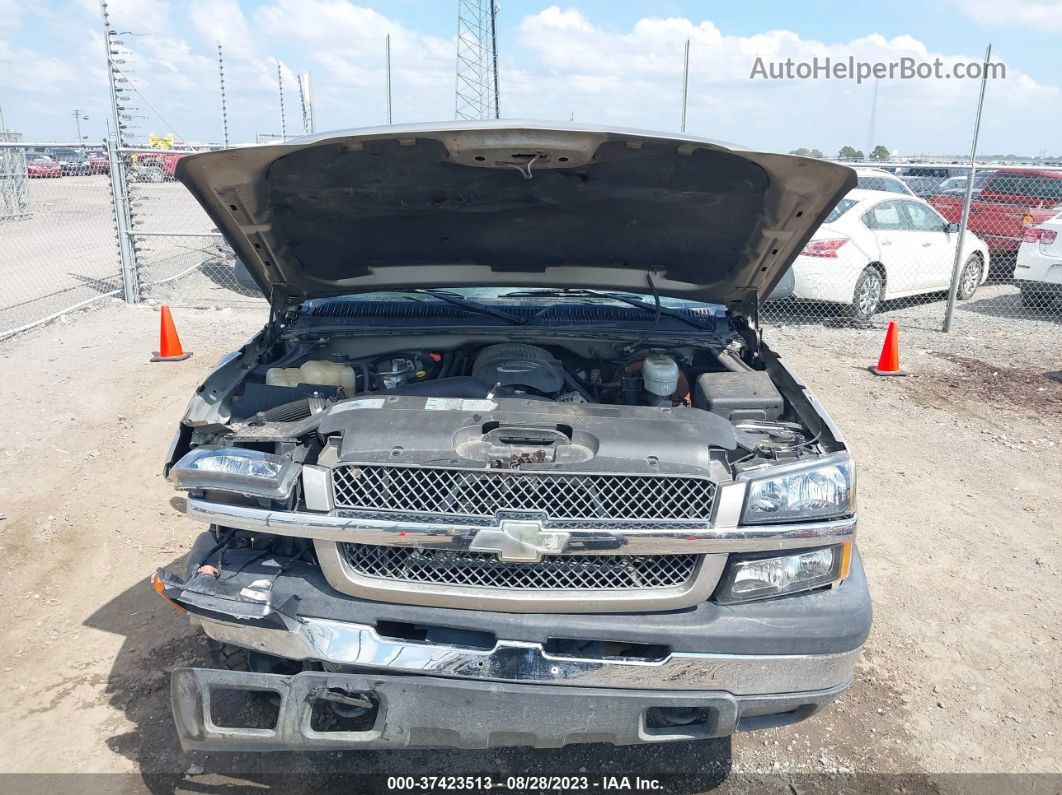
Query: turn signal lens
(764,577)
(160,588)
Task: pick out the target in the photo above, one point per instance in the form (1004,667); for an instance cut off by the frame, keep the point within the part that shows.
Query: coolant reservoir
(283,376)
(660,375)
(320,372)
(330,373)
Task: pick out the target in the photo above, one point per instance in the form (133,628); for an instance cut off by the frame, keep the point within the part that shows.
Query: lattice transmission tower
(477,60)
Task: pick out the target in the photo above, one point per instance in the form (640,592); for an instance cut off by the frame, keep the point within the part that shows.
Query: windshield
(65,153)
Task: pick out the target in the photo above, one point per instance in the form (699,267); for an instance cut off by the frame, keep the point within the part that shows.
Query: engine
(597,374)
(519,368)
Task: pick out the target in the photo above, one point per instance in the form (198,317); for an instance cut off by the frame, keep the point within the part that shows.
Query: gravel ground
(960,484)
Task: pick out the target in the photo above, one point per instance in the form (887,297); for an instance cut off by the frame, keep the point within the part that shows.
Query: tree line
(879,153)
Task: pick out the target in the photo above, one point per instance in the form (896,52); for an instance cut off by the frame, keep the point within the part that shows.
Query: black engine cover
(515,364)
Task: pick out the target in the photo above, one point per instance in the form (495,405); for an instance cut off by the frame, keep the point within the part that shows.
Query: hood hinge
(744,315)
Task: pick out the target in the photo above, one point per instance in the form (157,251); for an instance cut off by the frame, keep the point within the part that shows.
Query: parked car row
(148,165)
(66,161)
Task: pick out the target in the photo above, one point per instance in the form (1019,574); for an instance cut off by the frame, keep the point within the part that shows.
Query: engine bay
(675,396)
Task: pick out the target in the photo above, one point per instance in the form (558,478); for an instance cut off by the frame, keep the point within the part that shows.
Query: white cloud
(563,63)
(635,76)
(1027,14)
(220,21)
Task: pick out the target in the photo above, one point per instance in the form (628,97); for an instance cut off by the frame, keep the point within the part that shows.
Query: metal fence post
(126,252)
(956,268)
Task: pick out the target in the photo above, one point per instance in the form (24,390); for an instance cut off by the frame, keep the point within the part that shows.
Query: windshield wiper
(584,293)
(464,303)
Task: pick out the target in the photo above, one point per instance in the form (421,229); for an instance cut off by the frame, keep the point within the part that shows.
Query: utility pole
(283,118)
(77,120)
(685,83)
(311,125)
(956,267)
(302,101)
(387,61)
(224,108)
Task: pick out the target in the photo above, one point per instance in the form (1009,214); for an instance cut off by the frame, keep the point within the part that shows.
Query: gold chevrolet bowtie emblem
(520,542)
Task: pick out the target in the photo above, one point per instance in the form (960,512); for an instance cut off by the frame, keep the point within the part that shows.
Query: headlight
(248,472)
(816,492)
(761,578)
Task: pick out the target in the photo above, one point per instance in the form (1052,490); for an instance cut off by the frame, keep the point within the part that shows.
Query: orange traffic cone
(170,349)
(889,361)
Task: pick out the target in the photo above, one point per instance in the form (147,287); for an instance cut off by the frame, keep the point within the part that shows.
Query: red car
(98,162)
(1011,201)
(40,166)
(152,165)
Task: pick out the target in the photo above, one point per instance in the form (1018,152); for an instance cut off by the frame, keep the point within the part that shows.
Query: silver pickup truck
(510,463)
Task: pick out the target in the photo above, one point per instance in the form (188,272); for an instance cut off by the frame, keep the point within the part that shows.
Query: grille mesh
(463,492)
(553,572)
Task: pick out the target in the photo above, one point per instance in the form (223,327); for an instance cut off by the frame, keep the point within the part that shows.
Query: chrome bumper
(713,542)
(358,646)
(723,536)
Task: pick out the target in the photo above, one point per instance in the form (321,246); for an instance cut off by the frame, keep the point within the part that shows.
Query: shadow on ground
(157,638)
(1010,305)
(794,312)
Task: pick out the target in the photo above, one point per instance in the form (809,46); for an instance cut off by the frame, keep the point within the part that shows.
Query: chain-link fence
(180,258)
(58,248)
(888,251)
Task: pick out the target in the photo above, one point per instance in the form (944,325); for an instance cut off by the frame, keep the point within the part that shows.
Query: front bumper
(429,712)
(737,667)
(352,646)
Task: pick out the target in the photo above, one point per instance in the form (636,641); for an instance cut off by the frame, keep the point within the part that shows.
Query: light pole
(77,120)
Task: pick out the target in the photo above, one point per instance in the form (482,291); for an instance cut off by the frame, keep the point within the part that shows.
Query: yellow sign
(160,141)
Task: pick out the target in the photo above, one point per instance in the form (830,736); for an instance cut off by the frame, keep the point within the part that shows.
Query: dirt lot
(960,485)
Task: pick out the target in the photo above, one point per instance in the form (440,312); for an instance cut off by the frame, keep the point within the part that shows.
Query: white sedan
(1038,270)
(876,246)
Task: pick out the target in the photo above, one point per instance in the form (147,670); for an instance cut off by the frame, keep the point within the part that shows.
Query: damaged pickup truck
(510,463)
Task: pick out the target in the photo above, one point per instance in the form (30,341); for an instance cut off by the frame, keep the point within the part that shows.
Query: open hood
(513,204)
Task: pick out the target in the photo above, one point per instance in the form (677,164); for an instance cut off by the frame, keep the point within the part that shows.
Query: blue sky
(599,61)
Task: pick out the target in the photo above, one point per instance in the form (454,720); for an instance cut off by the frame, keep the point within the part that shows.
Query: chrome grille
(483,493)
(553,572)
